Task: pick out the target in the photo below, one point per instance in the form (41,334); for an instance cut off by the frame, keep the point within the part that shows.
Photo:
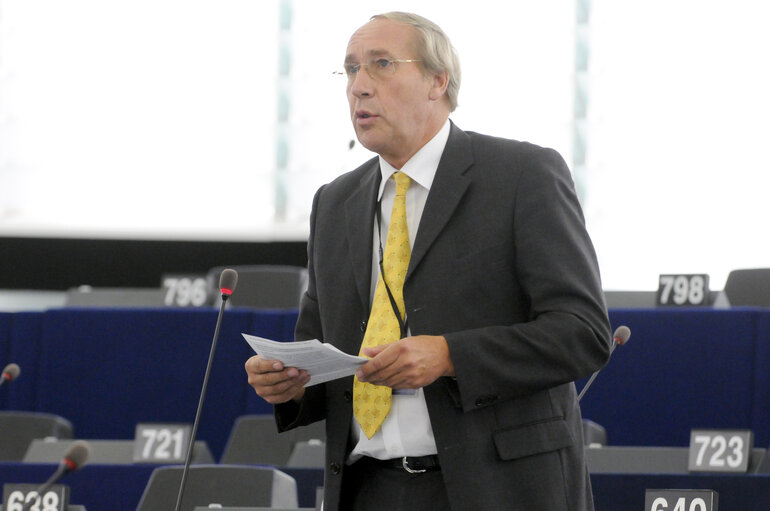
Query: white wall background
(157,119)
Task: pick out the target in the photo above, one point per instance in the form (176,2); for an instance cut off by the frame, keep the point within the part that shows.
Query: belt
(411,464)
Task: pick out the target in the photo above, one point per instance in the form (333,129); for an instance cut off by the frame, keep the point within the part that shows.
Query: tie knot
(402,183)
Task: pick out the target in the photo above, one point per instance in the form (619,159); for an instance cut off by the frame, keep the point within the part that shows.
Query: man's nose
(361,83)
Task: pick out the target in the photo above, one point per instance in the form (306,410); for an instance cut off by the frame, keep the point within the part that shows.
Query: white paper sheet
(322,361)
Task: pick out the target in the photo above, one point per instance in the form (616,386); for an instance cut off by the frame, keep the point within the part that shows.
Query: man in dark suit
(497,307)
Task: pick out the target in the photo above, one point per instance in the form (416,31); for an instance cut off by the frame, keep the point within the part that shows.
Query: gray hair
(434,48)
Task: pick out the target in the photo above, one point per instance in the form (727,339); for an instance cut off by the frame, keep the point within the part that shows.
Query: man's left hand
(410,363)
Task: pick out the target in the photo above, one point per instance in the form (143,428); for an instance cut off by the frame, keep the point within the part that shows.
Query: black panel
(59,264)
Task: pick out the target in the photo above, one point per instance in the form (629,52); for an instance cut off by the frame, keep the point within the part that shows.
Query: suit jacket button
(348,396)
(485,400)
(335,468)
(363,326)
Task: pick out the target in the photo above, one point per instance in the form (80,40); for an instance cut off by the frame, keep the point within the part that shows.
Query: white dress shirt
(406,430)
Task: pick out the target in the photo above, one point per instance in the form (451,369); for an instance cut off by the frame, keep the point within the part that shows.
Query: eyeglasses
(377,69)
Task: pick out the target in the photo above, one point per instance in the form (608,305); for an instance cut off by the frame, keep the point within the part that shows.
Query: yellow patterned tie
(371,403)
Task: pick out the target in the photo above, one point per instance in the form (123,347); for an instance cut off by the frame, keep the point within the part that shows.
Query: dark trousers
(371,486)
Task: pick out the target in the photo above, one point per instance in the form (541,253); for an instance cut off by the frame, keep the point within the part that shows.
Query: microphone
(227,281)
(10,373)
(75,457)
(620,337)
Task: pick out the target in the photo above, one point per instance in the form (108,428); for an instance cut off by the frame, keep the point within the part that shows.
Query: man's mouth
(363,114)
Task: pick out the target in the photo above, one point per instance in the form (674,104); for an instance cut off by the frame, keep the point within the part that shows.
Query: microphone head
(77,455)
(11,372)
(227,281)
(621,335)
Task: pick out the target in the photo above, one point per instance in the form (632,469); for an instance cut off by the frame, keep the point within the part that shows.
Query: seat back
(19,429)
(225,485)
(255,439)
(255,509)
(308,454)
(749,287)
(264,286)
(260,508)
(593,433)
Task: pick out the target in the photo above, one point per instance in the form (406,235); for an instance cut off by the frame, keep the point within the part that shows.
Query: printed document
(322,361)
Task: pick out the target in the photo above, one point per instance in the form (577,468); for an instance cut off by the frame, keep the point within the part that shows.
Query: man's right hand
(275,383)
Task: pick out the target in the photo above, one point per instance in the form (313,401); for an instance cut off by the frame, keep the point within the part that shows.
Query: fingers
(412,362)
(373,351)
(257,364)
(390,366)
(274,382)
(381,358)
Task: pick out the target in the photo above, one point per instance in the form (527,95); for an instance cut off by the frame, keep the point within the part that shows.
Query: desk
(625,492)
(107,369)
(97,487)
(119,487)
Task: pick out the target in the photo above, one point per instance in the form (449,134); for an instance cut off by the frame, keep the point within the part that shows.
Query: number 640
(661,504)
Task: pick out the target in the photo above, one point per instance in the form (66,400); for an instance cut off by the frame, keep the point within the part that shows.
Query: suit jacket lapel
(447,190)
(359,215)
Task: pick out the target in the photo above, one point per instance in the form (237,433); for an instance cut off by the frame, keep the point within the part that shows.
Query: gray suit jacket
(503,267)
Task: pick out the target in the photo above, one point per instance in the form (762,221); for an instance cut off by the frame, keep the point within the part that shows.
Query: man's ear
(440,82)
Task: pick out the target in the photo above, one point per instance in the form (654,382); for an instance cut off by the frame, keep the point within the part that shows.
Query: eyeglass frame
(391,62)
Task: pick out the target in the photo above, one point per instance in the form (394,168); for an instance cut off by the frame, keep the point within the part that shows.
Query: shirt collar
(423,165)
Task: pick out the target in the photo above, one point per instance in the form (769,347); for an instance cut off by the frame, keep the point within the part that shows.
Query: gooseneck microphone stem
(44,487)
(227,284)
(588,384)
(620,336)
(200,405)
(75,457)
